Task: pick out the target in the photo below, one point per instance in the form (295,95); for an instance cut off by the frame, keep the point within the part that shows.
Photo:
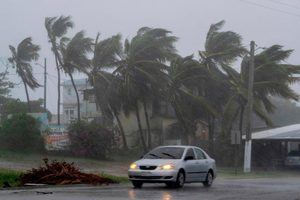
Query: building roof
(291,132)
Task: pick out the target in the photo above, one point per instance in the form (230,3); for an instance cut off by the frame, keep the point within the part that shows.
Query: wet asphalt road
(262,189)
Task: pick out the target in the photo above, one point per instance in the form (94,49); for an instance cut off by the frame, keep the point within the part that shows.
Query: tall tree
(222,48)
(74,53)
(272,77)
(56,28)
(141,66)
(106,86)
(184,92)
(21,58)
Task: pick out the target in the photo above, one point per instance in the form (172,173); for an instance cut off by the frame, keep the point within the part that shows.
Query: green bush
(90,139)
(9,177)
(21,133)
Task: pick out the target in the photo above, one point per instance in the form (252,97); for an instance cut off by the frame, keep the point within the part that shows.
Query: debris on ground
(61,173)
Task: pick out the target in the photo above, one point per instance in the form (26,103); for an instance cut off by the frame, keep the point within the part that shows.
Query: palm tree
(106,85)
(74,54)
(140,67)
(56,28)
(272,77)
(185,93)
(221,48)
(21,59)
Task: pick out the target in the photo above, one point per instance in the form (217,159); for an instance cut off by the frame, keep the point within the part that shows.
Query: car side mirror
(142,156)
(189,158)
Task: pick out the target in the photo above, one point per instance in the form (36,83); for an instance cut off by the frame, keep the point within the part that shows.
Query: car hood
(157,162)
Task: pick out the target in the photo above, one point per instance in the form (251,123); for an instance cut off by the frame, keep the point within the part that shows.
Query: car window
(165,153)
(200,154)
(190,153)
(294,153)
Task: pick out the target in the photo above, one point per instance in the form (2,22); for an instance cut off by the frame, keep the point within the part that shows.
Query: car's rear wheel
(180,179)
(137,184)
(209,179)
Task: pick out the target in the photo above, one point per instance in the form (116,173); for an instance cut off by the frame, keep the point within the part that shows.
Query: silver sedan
(174,166)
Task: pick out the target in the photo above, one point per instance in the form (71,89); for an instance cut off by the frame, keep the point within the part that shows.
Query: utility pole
(248,142)
(45,84)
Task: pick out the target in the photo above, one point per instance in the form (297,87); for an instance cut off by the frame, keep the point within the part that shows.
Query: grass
(9,176)
(117,179)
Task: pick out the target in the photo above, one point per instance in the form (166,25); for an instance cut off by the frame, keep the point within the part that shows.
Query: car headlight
(167,167)
(133,166)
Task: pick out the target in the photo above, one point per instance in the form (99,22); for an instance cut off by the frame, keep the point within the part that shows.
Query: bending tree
(56,28)
(21,58)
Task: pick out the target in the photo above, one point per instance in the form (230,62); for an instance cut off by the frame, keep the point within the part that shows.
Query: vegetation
(133,76)
(89,140)
(21,59)
(5,84)
(56,28)
(21,132)
(12,106)
(9,178)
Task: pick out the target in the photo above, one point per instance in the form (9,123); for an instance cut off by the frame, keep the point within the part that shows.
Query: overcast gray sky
(267,22)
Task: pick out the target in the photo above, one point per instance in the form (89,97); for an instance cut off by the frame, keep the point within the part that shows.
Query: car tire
(180,180)
(137,184)
(209,179)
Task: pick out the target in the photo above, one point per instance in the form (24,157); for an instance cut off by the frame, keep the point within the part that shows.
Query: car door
(202,164)
(191,166)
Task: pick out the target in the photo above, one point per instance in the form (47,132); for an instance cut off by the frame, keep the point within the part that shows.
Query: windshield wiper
(169,155)
(154,155)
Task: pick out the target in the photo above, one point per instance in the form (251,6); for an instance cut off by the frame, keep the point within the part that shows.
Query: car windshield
(165,153)
(294,153)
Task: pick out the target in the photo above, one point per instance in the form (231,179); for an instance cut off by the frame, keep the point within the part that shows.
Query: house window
(69,91)
(70,113)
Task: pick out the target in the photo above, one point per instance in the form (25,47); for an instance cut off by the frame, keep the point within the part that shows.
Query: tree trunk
(182,122)
(77,96)
(58,91)
(27,96)
(148,125)
(140,128)
(211,135)
(125,145)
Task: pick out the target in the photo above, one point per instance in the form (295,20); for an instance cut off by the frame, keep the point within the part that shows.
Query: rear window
(165,153)
(294,153)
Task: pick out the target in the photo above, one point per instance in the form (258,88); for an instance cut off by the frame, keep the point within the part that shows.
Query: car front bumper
(153,176)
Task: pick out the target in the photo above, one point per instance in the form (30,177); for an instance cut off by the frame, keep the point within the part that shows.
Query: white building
(88,109)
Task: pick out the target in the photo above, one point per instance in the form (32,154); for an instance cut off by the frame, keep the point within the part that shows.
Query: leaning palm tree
(106,86)
(74,54)
(56,28)
(21,59)
(185,93)
(141,66)
(222,48)
(272,77)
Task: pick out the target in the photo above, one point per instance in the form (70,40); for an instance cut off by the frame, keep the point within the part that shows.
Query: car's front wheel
(137,184)
(180,179)
(209,179)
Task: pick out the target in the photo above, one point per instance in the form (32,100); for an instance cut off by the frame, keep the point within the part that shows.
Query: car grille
(151,177)
(147,177)
(147,167)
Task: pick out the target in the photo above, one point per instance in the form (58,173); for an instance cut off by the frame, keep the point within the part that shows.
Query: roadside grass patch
(9,176)
(117,179)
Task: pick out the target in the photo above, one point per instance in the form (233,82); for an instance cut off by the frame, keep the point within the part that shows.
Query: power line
(285,4)
(270,8)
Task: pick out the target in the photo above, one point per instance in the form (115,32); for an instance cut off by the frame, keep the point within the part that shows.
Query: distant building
(88,108)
